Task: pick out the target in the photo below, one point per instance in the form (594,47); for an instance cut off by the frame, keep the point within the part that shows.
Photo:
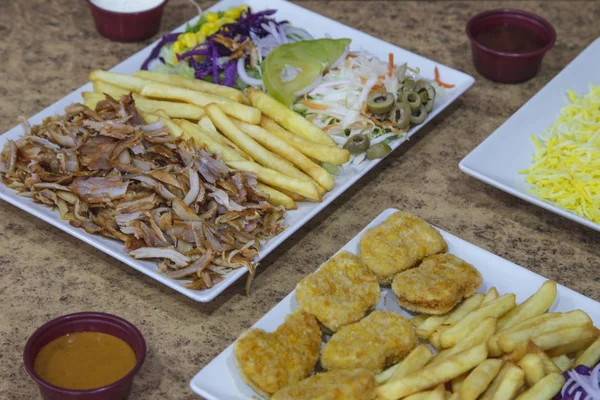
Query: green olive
(357,144)
(400,115)
(332,169)
(423,96)
(412,99)
(378,150)
(380,102)
(409,84)
(429,106)
(418,116)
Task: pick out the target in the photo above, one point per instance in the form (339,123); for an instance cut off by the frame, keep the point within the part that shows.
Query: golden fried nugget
(271,361)
(399,244)
(378,340)
(340,292)
(437,285)
(358,384)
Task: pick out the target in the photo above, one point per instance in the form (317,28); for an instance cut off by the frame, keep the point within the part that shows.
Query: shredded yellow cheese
(566,162)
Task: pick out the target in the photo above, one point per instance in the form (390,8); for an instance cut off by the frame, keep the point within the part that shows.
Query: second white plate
(220,379)
(498,159)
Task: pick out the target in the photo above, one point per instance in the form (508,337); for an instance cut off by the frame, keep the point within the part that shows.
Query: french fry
(454,396)
(324,153)
(278,180)
(479,379)
(276,198)
(466,307)
(495,308)
(439,393)
(287,118)
(536,304)
(480,334)
(533,367)
(495,384)
(573,347)
(261,155)
(419,396)
(292,195)
(230,107)
(517,354)
(457,382)
(565,336)
(431,376)
(591,356)
(386,374)
(289,152)
(414,361)
(493,342)
(562,362)
(131,83)
(508,341)
(193,84)
(512,381)
(417,320)
(173,127)
(492,294)
(173,110)
(545,389)
(113,91)
(549,366)
(206,124)
(204,139)
(430,325)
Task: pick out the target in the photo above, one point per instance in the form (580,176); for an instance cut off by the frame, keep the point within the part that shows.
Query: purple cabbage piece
(581,370)
(166,39)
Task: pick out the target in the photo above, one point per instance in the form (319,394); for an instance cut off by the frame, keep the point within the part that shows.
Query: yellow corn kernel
(233,13)
(200,38)
(188,39)
(211,17)
(226,20)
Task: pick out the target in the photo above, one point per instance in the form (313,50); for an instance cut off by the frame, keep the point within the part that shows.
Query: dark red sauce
(510,38)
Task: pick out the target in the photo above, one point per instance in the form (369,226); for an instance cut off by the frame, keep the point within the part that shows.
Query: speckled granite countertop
(48,49)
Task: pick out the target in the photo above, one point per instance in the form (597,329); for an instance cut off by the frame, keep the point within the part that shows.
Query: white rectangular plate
(499,158)
(318,26)
(220,379)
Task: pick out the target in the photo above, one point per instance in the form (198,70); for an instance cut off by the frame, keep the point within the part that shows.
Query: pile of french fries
(490,348)
(254,133)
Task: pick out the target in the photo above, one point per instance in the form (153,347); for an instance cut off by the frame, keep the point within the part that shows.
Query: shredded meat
(110,174)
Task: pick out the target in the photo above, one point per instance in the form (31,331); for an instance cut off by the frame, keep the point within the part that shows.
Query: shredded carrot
(439,82)
(363,108)
(391,64)
(330,126)
(378,88)
(352,55)
(363,79)
(314,106)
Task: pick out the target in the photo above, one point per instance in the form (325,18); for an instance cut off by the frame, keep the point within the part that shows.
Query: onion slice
(247,79)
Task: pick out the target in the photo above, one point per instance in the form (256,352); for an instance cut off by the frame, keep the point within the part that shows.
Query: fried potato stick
(193,84)
(433,375)
(591,356)
(479,379)
(287,118)
(251,147)
(324,153)
(289,152)
(545,389)
(230,107)
(535,305)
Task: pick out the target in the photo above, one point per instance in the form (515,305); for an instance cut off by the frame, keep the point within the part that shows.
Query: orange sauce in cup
(84,360)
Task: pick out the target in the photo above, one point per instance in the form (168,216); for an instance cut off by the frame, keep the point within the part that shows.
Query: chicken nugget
(399,244)
(437,285)
(271,361)
(358,384)
(378,340)
(340,292)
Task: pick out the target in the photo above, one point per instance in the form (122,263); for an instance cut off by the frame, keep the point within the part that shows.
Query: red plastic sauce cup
(127,26)
(507,67)
(86,322)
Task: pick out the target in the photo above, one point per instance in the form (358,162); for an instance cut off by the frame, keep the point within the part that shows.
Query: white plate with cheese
(499,159)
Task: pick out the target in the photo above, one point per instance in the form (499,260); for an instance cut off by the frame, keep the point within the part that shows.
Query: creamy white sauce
(127,6)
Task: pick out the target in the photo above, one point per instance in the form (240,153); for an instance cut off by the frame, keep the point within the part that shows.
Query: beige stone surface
(48,48)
